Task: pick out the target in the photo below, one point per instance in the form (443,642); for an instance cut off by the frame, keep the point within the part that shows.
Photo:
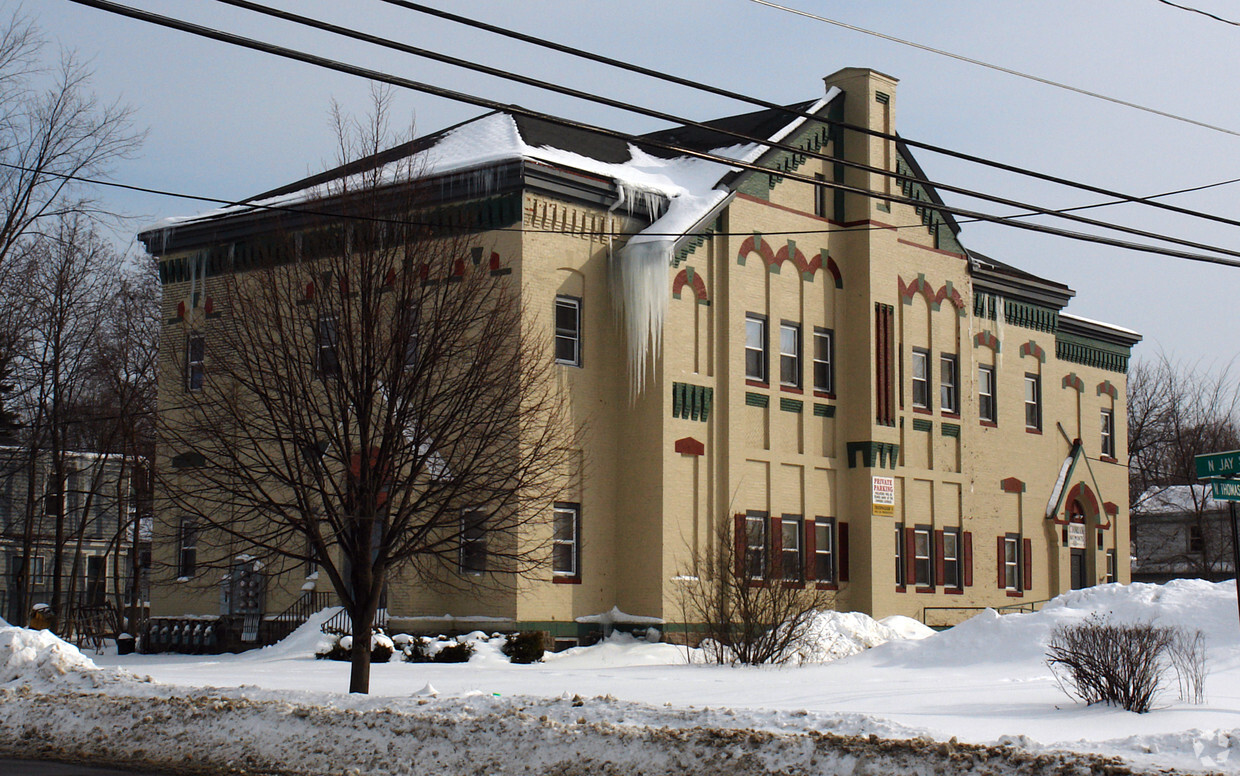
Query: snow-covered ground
(637,707)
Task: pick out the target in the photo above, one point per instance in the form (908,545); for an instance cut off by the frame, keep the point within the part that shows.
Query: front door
(1078,569)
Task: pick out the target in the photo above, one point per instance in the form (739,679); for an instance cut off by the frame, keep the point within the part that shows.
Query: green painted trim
(757,399)
(873,454)
(791,405)
(950,430)
(1091,352)
(691,402)
(1030,316)
(824,410)
(920,424)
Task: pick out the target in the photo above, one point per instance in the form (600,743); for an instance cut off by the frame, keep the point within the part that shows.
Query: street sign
(1218,465)
(1226,490)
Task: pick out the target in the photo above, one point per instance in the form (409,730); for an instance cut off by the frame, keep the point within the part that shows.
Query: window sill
(988,424)
(954,591)
(824,394)
(566,580)
(568,363)
(925,590)
(950,414)
(792,389)
(756,383)
(901,589)
(922,410)
(1107,459)
(1036,431)
(1015,594)
(828,586)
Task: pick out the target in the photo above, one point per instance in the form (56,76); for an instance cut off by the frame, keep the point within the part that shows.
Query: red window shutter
(940,572)
(811,559)
(910,562)
(1026,562)
(1002,576)
(967,551)
(740,545)
(777,545)
(842,551)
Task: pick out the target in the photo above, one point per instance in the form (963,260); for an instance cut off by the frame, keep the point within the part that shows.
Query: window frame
(472,543)
(901,582)
(327,346)
(790,362)
(1195,539)
(1033,405)
(1107,421)
(195,368)
(920,356)
(559,509)
(1013,575)
(187,547)
(987,400)
(824,528)
(923,562)
(792,530)
(1112,562)
(949,391)
(825,366)
(821,195)
(761,372)
(953,564)
(759,551)
(570,335)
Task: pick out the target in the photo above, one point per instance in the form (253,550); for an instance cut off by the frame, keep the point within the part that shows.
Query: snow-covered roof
(1176,499)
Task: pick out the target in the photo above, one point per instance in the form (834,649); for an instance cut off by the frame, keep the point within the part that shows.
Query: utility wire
(763,103)
(1000,68)
(674,119)
(374,75)
(1190,9)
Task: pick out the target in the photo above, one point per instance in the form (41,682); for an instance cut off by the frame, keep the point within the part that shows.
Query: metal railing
(342,625)
(1017,608)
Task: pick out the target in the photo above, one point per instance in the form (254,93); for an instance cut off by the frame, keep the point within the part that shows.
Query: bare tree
(372,399)
(1175,413)
(751,608)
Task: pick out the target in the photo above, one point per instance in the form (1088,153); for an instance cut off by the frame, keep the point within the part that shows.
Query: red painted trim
(790,389)
(901,589)
(1107,459)
(829,586)
(1037,431)
(925,590)
(932,250)
(690,446)
(756,384)
(988,423)
(953,591)
(951,415)
(923,410)
(1012,485)
(1015,594)
(823,395)
(566,580)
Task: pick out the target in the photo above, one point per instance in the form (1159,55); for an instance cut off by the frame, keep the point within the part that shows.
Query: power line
(999,68)
(374,75)
(763,103)
(1198,10)
(674,119)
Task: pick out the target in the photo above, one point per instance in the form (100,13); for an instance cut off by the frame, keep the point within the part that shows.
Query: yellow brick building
(875,409)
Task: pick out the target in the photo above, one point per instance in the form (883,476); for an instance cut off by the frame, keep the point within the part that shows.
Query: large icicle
(640,290)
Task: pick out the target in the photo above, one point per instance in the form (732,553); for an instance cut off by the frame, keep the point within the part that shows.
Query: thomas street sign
(1218,465)
(1226,490)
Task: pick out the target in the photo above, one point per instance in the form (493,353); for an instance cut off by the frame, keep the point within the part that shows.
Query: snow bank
(39,659)
(833,635)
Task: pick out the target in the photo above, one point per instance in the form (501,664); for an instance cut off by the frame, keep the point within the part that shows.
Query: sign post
(1221,470)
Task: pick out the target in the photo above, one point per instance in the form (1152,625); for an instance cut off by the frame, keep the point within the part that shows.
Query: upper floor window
(755,348)
(790,355)
(820,195)
(1033,402)
(921,378)
(566,541)
(187,549)
(473,541)
(824,361)
(568,330)
(791,551)
(328,344)
(1108,433)
(987,409)
(195,361)
(949,383)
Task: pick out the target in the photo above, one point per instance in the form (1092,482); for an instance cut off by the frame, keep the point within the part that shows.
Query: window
(986,407)
(1108,433)
(1196,542)
(566,541)
(195,360)
(568,330)
(921,378)
(824,549)
(793,563)
(187,548)
(790,355)
(820,195)
(824,370)
(473,542)
(951,559)
(923,554)
(1033,402)
(1011,562)
(411,336)
(36,569)
(328,343)
(949,384)
(755,348)
(755,545)
(1111,577)
(899,555)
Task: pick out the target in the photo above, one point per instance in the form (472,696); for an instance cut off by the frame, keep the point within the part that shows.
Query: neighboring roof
(762,123)
(1176,500)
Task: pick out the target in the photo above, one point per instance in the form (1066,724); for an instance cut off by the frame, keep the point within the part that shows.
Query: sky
(228,123)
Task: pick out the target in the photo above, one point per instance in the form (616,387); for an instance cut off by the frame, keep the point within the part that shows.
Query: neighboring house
(94,506)
(872,408)
(1181,531)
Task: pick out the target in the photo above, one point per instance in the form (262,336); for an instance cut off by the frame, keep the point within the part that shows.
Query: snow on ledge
(617,617)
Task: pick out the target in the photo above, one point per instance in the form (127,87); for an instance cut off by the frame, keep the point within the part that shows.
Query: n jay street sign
(1218,465)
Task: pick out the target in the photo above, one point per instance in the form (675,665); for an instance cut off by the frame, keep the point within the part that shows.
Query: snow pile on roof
(832,635)
(39,658)
(1176,499)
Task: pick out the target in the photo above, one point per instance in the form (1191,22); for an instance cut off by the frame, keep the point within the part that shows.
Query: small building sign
(884,490)
(1076,536)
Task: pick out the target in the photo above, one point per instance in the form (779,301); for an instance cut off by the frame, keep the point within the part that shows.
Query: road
(48,768)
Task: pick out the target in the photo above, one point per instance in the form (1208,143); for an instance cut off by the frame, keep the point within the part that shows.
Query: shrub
(524,647)
(1125,664)
(454,653)
(417,650)
(341,648)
